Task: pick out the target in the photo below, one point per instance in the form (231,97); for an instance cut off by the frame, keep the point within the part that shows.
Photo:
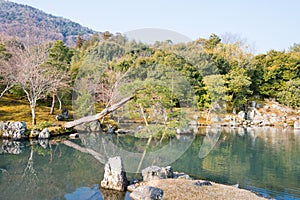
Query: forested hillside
(21,20)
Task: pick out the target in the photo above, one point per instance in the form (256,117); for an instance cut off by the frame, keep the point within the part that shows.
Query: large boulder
(147,193)
(114,175)
(155,173)
(14,130)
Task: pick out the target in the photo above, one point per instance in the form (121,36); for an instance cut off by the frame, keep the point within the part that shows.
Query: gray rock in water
(114,175)
(147,193)
(44,134)
(14,130)
(155,173)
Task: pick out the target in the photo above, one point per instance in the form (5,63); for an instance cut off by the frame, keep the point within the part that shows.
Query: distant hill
(20,20)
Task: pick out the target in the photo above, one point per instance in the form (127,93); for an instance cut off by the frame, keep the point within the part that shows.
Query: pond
(264,160)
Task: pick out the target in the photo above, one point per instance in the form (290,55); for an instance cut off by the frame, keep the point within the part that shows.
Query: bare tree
(6,77)
(7,63)
(35,77)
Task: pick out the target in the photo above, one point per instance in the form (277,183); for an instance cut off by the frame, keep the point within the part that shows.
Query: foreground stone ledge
(174,189)
(175,185)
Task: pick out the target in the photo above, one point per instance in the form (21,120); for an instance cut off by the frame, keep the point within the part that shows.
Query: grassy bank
(15,109)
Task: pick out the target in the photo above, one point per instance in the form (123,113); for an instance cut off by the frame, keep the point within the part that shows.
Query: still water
(264,160)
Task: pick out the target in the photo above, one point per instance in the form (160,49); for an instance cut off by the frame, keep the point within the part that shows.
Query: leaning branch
(98,115)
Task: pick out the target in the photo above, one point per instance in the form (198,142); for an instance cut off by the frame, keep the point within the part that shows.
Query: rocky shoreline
(159,183)
(256,115)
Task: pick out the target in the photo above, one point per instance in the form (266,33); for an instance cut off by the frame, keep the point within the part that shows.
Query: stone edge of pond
(17,130)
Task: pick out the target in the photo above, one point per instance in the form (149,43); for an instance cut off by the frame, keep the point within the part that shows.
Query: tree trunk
(33,115)
(59,101)
(98,115)
(144,116)
(5,90)
(53,105)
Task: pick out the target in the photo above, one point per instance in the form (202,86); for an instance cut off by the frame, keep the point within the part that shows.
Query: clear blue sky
(267,24)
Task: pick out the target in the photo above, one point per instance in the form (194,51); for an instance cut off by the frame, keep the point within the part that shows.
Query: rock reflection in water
(44,143)
(11,147)
(43,171)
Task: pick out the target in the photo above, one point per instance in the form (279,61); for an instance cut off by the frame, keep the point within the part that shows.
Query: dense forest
(216,73)
(208,73)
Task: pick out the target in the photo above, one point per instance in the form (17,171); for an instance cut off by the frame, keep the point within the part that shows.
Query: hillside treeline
(208,72)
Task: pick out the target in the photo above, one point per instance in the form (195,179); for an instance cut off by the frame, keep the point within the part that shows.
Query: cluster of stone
(13,130)
(115,179)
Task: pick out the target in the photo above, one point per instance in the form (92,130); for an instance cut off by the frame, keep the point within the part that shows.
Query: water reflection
(11,147)
(211,138)
(43,143)
(45,173)
(132,149)
(265,160)
(95,193)
(85,193)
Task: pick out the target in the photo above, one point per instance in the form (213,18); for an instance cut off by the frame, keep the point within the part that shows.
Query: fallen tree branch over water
(98,115)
